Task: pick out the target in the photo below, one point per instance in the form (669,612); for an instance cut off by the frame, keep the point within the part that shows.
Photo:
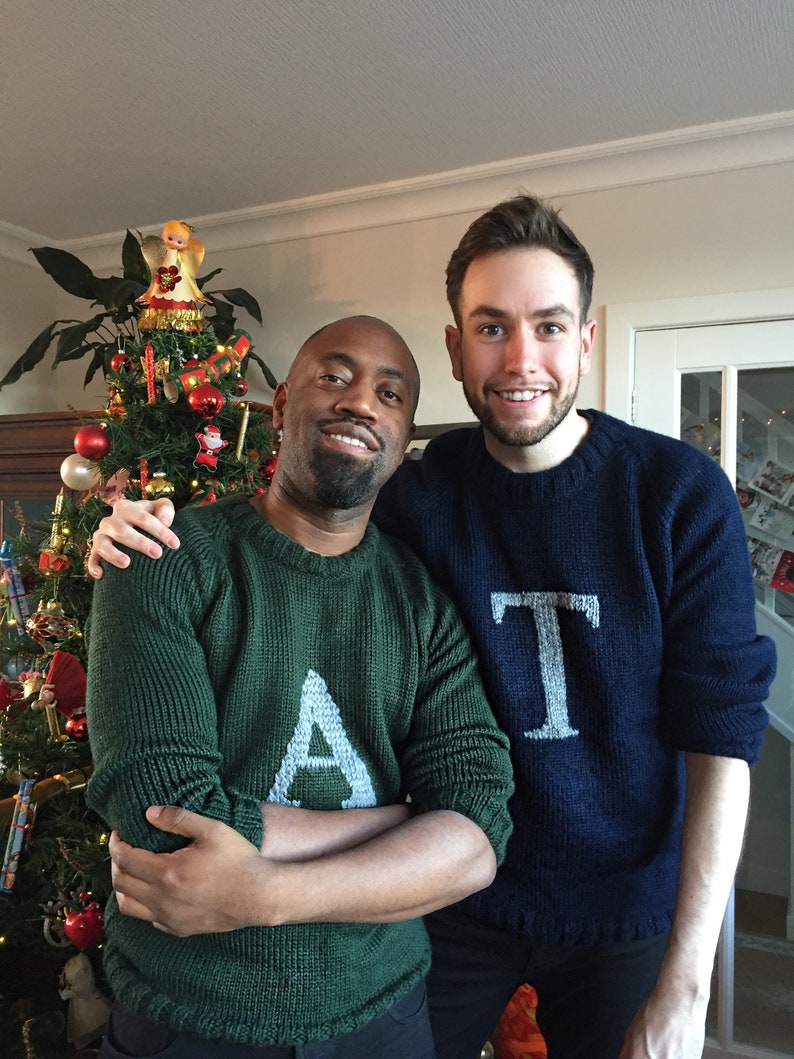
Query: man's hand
(671,1022)
(666,1027)
(185,892)
(195,890)
(127,525)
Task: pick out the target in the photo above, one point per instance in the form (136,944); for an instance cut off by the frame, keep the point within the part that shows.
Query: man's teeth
(521,395)
(349,441)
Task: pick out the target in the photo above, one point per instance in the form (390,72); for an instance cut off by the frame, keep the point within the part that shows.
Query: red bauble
(77,726)
(92,442)
(241,387)
(206,401)
(120,362)
(84,929)
(50,623)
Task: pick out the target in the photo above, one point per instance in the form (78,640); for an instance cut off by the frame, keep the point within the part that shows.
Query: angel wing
(154,250)
(190,258)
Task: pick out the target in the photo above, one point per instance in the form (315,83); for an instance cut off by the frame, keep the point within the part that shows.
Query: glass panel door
(763,958)
(729,391)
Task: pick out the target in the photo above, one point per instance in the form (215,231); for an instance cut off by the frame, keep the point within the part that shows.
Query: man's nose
(357,399)
(521,352)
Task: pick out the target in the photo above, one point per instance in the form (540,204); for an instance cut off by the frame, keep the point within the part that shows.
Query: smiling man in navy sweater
(603,573)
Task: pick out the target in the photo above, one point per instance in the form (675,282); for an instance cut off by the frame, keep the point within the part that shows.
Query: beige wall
(27,305)
(718,233)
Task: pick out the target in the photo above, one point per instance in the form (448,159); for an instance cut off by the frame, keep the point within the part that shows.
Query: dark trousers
(586,996)
(402,1032)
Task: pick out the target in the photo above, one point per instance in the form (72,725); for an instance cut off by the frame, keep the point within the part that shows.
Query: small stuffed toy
(88,1010)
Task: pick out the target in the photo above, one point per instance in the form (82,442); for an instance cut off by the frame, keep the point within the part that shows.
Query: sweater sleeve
(716,670)
(456,756)
(151,710)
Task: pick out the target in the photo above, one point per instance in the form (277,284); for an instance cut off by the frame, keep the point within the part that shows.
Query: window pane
(765,482)
(701,404)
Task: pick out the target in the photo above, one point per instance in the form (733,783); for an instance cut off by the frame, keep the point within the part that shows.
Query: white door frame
(623,321)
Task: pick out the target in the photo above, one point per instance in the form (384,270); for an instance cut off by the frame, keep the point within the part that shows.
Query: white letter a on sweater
(317,707)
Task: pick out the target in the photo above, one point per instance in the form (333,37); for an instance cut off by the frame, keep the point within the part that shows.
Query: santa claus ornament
(211,444)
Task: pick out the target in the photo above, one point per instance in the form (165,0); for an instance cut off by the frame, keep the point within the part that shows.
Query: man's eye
(492,330)
(330,377)
(391,395)
(551,329)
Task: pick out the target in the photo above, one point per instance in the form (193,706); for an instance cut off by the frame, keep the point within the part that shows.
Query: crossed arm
(352,865)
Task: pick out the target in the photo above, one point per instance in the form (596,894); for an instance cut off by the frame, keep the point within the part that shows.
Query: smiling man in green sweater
(291,675)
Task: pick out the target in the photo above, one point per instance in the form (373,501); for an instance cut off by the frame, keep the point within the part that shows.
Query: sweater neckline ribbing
(281,549)
(492,479)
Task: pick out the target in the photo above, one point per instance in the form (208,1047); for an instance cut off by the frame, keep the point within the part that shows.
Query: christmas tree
(177,424)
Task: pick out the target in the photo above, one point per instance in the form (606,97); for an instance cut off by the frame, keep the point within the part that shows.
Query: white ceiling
(118,114)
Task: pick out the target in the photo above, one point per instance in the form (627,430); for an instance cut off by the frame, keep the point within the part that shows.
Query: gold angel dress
(173,298)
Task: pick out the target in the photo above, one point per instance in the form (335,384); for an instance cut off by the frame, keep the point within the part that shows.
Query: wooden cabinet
(32,448)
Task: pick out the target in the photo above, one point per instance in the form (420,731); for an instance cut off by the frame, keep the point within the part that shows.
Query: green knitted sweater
(243,668)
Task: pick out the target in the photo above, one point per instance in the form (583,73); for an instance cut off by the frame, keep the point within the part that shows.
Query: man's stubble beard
(341,483)
(520,436)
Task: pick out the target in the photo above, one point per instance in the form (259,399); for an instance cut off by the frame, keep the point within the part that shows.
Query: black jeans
(402,1032)
(587,996)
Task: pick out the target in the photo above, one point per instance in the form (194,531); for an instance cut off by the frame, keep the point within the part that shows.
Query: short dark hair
(520,222)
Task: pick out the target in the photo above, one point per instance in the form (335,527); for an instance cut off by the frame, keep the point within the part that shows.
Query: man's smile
(355,442)
(353,435)
(520,395)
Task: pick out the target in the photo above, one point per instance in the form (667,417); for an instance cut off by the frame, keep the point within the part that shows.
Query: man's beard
(341,482)
(520,435)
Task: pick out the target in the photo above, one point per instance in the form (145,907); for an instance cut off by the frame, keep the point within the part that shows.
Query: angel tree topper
(173,298)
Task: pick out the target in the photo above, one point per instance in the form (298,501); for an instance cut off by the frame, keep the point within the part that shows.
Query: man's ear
(452,336)
(279,401)
(588,337)
(409,436)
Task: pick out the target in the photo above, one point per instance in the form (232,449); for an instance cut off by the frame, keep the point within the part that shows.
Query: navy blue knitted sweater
(611,603)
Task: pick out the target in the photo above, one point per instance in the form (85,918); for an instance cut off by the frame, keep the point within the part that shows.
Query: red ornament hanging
(52,562)
(77,726)
(92,442)
(150,372)
(50,623)
(206,401)
(84,928)
(120,362)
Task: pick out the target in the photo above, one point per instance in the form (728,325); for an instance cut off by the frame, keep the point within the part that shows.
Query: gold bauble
(159,486)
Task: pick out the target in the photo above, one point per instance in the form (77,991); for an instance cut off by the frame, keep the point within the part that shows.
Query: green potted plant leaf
(115,322)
